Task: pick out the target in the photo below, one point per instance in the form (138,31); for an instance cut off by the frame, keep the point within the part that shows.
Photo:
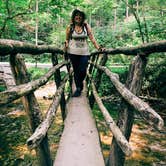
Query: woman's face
(78,18)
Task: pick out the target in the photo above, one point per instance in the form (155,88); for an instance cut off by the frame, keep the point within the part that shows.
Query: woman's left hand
(101,49)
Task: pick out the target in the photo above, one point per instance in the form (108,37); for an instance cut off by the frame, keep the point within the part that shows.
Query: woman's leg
(82,70)
(75,60)
(79,64)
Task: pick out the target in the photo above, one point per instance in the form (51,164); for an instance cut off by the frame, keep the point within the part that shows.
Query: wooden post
(31,107)
(57,78)
(126,116)
(98,77)
(90,70)
(68,66)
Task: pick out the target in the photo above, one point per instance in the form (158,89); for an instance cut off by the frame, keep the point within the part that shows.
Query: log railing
(129,92)
(25,88)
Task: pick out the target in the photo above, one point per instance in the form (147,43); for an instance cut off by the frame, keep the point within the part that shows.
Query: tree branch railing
(21,90)
(42,129)
(129,92)
(120,138)
(14,47)
(25,88)
(144,49)
(150,115)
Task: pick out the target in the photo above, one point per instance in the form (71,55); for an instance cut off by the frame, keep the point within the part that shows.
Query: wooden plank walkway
(79,144)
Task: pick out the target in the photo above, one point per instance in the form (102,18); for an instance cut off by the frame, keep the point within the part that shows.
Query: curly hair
(75,12)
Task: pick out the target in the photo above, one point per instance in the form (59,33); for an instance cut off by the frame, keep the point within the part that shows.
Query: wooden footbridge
(80,144)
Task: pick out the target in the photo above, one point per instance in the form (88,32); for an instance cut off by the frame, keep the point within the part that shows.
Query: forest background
(115,23)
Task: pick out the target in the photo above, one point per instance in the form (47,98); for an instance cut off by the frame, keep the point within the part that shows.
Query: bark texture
(146,111)
(57,78)
(13,47)
(144,49)
(25,88)
(42,129)
(120,138)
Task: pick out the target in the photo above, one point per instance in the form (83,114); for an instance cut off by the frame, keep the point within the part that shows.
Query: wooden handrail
(21,90)
(120,138)
(146,111)
(42,129)
(14,47)
(144,49)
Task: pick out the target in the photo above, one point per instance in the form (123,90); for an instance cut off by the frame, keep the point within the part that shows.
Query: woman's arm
(91,37)
(67,36)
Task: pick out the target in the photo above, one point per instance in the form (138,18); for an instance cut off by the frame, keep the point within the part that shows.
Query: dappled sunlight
(137,143)
(23,150)
(17,113)
(46,91)
(106,139)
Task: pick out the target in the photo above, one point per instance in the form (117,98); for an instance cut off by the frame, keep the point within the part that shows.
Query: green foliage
(36,73)
(2,88)
(155,79)
(14,132)
(106,87)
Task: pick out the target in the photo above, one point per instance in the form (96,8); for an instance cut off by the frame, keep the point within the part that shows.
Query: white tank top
(78,43)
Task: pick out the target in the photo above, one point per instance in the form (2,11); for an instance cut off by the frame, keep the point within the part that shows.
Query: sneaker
(77,93)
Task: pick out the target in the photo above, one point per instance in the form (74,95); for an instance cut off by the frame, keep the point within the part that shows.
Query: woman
(77,48)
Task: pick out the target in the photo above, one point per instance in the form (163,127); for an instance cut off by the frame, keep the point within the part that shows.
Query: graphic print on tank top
(78,44)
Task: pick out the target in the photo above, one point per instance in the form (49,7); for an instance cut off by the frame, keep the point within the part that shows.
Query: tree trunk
(115,18)
(127,10)
(31,107)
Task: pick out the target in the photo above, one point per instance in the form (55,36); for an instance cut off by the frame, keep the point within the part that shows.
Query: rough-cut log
(42,129)
(149,98)
(98,77)
(13,47)
(121,140)
(146,111)
(144,49)
(21,90)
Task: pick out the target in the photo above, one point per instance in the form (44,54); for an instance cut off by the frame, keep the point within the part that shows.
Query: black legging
(79,63)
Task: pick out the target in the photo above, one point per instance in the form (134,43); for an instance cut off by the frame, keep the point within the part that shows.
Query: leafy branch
(11,17)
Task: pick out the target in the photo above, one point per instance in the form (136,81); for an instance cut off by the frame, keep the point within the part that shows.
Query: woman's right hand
(66,46)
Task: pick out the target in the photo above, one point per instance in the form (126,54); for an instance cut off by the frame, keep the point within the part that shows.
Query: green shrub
(36,73)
